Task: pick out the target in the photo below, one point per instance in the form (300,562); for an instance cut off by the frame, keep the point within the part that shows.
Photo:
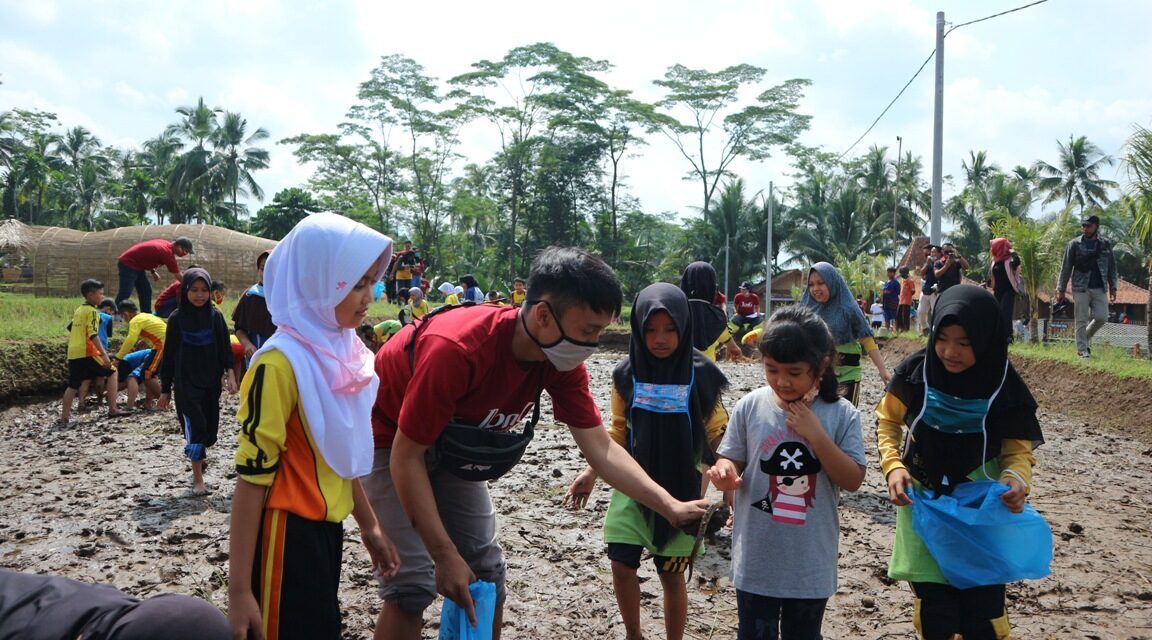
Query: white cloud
(40,11)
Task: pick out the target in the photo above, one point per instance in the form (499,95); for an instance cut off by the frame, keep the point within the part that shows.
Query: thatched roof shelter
(62,258)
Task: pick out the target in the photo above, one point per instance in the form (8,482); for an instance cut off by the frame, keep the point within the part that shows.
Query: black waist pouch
(471,453)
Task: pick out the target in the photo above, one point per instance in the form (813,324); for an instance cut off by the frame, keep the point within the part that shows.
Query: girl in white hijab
(306,434)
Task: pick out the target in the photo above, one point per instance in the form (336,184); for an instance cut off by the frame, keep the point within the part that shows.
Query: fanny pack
(468,451)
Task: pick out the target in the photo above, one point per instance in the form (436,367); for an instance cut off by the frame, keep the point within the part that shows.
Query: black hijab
(938,459)
(668,445)
(708,321)
(204,351)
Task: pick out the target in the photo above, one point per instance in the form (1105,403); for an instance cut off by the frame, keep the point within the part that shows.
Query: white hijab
(311,271)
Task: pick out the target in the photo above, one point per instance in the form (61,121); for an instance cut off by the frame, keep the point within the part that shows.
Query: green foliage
(1040,246)
(288,207)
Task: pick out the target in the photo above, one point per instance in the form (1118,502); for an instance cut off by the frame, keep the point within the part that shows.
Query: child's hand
(724,475)
(232,388)
(899,480)
(1015,496)
(385,558)
(162,403)
(244,617)
(803,421)
(580,489)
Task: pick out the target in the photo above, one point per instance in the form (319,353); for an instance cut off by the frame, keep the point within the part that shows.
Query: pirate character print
(791,483)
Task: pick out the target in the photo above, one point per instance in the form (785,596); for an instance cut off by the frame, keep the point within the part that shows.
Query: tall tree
(1075,178)
(1138,160)
(703,118)
(234,158)
(197,125)
(287,208)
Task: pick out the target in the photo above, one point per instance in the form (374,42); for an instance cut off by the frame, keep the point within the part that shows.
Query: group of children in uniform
(782,455)
(188,353)
(789,449)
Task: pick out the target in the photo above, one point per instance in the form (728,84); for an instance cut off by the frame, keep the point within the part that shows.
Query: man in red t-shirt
(146,256)
(747,307)
(485,366)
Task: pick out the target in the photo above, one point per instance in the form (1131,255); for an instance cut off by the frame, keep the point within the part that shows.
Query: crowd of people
(403,423)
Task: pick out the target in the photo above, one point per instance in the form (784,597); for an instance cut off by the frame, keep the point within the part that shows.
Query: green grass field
(26,317)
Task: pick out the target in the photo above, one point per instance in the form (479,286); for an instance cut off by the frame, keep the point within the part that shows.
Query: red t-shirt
(464,370)
(720,300)
(149,255)
(171,291)
(746,303)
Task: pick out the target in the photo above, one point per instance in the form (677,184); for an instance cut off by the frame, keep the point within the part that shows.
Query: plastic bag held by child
(975,539)
(454,623)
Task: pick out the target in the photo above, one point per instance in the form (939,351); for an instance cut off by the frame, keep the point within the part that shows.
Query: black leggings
(943,611)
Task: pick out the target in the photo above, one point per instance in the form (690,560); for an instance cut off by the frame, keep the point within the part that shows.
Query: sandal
(119,414)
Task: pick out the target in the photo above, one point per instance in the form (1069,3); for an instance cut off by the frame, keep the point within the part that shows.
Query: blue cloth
(105,328)
(454,624)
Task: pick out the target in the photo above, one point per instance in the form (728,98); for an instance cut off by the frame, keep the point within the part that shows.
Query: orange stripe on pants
(272,571)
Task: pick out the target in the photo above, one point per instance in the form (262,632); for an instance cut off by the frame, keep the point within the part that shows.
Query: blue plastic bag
(454,624)
(977,541)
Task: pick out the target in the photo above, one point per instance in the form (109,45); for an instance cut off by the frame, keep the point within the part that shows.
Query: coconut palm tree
(1075,178)
(234,158)
(1138,160)
(197,125)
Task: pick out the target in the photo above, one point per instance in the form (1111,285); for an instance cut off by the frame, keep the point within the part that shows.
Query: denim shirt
(1106,263)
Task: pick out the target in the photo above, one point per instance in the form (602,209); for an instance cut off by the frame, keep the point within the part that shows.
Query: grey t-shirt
(786,538)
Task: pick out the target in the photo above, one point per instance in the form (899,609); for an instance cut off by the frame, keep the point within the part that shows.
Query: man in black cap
(1089,262)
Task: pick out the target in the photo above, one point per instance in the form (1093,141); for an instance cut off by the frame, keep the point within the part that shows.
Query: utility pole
(768,266)
(938,132)
(727,264)
(896,202)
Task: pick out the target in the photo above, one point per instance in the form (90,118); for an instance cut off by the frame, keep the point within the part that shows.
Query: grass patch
(1116,361)
(1112,360)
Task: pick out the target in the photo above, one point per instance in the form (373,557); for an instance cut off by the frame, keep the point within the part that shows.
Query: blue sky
(1014,85)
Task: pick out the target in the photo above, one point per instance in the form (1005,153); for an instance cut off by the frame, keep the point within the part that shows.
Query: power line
(926,61)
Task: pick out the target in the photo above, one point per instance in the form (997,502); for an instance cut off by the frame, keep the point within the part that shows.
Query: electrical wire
(926,61)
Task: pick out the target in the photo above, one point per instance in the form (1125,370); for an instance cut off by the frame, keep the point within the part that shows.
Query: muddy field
(110,501)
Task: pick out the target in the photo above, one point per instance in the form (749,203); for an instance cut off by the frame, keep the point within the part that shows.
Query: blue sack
(454,623)
(977,541)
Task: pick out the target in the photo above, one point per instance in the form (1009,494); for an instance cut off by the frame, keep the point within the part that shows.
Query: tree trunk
(1148,318)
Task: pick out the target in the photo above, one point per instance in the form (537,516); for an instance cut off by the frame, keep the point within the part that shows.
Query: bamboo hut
(63,258)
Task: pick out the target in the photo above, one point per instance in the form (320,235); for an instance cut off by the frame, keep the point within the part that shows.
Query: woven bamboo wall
(63,258)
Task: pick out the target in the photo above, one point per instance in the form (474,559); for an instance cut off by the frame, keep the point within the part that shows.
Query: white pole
(896,202)
(727,263)
(938,133)
(768,262)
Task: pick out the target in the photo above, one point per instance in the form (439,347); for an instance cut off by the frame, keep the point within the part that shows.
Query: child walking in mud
(305,436)
(199,358)
(789,449)
(955,411)
(666,410)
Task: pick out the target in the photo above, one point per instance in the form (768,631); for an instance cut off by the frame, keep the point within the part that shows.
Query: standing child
(199,357)
(87,357)
(305,436)
(789,450)
(828,295)
(907,292)
(250,318)
(666,410)
(956,410)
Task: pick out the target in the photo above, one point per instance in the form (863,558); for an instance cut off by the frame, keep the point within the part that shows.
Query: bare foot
(200,490)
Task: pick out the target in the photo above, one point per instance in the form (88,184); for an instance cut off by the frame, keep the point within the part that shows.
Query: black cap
(746,285)
(1090,220)
(790,459)
(184,242)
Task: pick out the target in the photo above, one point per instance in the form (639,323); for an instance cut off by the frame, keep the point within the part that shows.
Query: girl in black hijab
(198,354)
(709,322)
(666,412)
(955,411)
